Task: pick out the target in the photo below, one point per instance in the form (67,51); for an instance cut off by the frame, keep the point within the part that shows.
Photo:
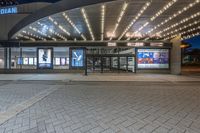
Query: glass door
(131,64)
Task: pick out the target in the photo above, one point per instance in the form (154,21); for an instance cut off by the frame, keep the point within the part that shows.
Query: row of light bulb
(182,28)
(167,6)
(57,34)
(103,11)
(184,32)
(40,32)
(33,35)
(179,23)
(135,19)
(123,10)
(59,26)
(42,25)
(175,15)
(190,36)
(73,25)
(24,36)
(87,23)
(54,32)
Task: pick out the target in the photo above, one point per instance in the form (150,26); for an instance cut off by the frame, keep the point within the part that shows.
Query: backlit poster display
(77,58)
(25,61)
(20,61)
(44,58)
(35,61)
(57,60)
(30,61)
(153,58)
(67,61)
(63,61)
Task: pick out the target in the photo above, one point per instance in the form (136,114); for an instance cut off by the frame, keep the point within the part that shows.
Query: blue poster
(77,58)
(20,61)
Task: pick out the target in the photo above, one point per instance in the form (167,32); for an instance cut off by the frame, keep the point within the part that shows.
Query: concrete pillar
(176,56)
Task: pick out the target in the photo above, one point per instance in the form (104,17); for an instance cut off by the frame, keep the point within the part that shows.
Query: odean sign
(8,10)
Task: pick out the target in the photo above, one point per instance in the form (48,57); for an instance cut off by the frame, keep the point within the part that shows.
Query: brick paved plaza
(100,107)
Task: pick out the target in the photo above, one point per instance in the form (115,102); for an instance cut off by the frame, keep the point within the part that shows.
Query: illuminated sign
(137,44)
(156,44)
(77,58)
(45,58)
(153,58)
(9,10)
(112,44)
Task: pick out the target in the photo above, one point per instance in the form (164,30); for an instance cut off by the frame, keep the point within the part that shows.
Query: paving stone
(88,108)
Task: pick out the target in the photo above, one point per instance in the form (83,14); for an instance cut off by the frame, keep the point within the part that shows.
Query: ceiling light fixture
(87,23)
(123,10)
(135,19)
(102,21)
(175,15)
(73,25)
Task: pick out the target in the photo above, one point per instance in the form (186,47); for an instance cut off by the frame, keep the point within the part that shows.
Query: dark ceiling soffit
(69,44)
(53,9)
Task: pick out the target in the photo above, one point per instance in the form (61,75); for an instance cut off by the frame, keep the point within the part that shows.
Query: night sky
(195,42)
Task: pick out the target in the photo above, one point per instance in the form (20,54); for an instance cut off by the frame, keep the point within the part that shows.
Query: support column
(101,64)
(126,63)
(176,56)
(5,58)
(86,65)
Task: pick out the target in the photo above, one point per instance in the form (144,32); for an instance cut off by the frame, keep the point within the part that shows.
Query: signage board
(153,58)
(137,44)
(77,58)
(8,10)
(45,58)
(112,44)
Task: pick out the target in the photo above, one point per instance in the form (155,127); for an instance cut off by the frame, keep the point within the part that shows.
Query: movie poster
(63,61)
(153,58)
(45,58)
(77,58)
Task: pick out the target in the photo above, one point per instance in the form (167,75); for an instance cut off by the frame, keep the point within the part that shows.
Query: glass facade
(29,58)
(2,58)
(100,59)
(61,58)
(15,56)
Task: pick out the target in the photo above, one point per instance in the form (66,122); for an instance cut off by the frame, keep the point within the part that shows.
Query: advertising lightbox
(63,61)
(77,58)
(20,61)
(45,58)
(25,61)
(153,58)
(31,61)
(57,60)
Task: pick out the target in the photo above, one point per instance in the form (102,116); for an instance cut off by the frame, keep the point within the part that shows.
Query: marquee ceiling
(118,21)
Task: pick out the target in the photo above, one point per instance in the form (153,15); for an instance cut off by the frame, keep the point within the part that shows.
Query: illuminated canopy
(117,20)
